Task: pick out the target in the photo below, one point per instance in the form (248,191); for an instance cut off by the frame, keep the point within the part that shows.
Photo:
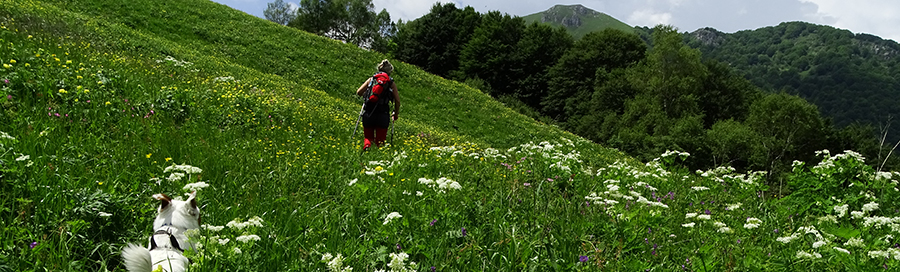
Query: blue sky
(877,17)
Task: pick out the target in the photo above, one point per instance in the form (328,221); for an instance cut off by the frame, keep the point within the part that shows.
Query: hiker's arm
(396,100)
(362,88)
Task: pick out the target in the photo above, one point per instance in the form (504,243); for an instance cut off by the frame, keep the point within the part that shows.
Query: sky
(876,17)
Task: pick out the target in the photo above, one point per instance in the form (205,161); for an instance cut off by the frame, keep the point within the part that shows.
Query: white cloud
(877,17)
(407,9)
(649,18)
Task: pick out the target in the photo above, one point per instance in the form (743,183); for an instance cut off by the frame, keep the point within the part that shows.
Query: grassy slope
(589,24)
(97,113)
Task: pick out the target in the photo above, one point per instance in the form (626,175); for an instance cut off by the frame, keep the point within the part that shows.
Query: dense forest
(850,77)
(643,92)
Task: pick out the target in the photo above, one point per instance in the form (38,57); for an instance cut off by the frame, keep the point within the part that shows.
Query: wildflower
(857,214)
(725,230)
(23,157)
(688,225)
(818,244)
(704,217)
(463,231)
(149,154)
(175,177)
(195,186)
(6,81)
(868,207)
(390,217)
(247,238)
(224,241)
(841,250)
(582,258)
(397,261)
(752,223)
(33,244)
(107,103)
(806,255)
(103,214)
(734,206)
(353,181)
(699,188)
(12,61)
(7,66)
(855,242)
(841,210)
(432,222)
(213,228)
(63,91)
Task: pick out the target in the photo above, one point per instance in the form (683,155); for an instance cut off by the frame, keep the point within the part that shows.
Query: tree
(489,55)
(537,51)
(572,79)
(790,128)
(435,40)
(280,12)
(351,21)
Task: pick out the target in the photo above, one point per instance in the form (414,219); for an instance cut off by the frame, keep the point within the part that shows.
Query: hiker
(376,117)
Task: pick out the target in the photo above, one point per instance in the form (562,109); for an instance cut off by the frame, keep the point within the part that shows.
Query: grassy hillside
(590,20)
(99,99)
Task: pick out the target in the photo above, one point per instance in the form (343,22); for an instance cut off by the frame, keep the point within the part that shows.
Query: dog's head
(183,215)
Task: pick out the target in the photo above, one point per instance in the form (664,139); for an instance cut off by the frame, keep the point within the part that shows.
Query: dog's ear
(193,200)
(164,200)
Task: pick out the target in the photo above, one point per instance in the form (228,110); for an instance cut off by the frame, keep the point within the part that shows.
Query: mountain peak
(577,19)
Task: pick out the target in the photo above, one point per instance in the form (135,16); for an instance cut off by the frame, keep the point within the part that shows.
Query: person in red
(377,116)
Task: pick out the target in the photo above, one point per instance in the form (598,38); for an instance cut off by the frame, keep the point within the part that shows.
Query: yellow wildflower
(149,154)
(107,103)
(12,61)
(62,91)
(168,159)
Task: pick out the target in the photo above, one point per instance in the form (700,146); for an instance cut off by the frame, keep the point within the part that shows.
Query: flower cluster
(335,263)
(252,222)
(441,184)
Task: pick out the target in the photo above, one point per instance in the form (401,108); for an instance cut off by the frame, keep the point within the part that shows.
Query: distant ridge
(578,19)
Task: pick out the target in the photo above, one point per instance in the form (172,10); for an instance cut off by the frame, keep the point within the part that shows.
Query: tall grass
(99,98)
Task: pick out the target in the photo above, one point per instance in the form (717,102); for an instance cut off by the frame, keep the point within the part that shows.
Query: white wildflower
(805,255)
(223,241)
(787,239)
(103,214)
(690,215)
(841,210)
(725,230)
(247,238)
(23,157)
(855,242)
(818,244)
(397,261)
(734,206)
(699,188)
(841,250)
(175,177)
(419,193)
(719,224)
(237,251)
(857,214)
(353,181)
(196,186)
(883,175)
(704,217)
(828,218)
(689,225)
(868,207)
(212,228)
(390,217)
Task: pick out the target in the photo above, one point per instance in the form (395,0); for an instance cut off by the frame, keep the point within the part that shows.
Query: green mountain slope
(850,77)
(105,103)
(577,19)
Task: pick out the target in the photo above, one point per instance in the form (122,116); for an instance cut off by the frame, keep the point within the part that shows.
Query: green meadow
(105,103)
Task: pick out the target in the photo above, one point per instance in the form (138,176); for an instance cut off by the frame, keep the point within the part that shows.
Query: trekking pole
(392,131)
(361,111)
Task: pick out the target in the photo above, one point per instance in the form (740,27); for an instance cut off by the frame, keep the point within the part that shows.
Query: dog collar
(173,242)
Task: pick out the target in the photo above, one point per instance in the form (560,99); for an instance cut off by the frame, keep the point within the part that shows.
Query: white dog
(168,241)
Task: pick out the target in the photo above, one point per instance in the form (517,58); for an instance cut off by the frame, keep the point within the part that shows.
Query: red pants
(376,135)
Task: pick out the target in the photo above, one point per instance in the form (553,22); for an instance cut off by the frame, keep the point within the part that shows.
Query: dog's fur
(165,247)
